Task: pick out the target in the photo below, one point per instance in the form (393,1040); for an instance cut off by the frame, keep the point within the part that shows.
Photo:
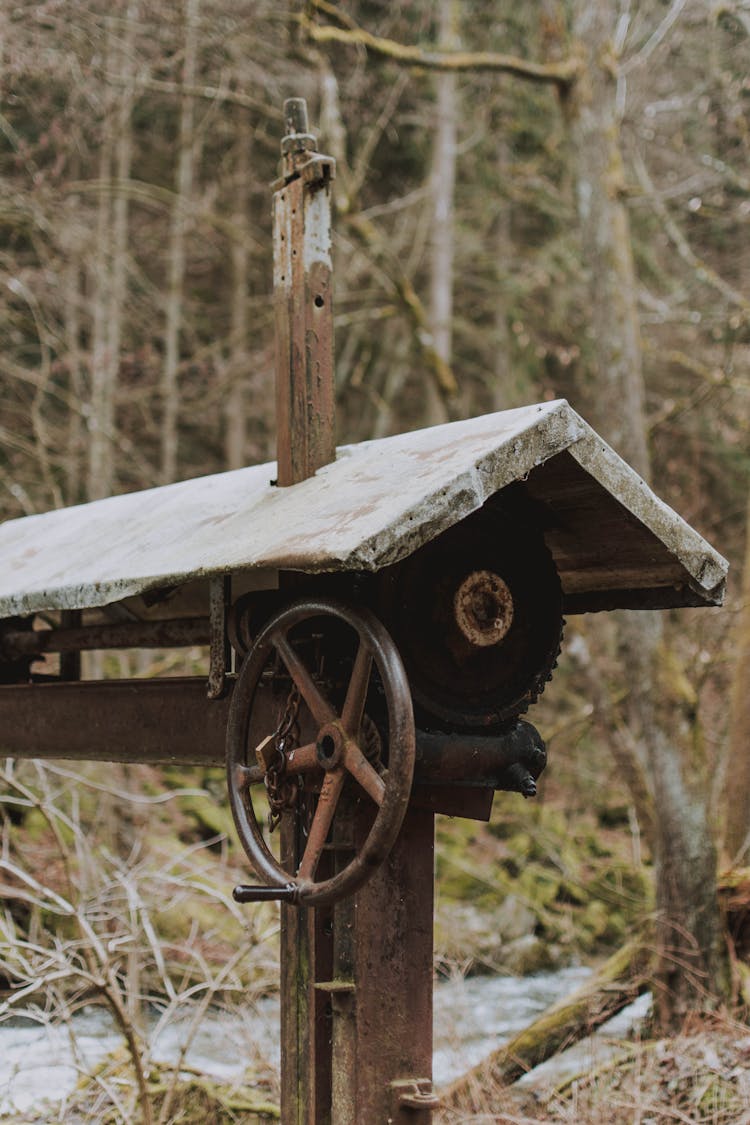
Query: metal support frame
(356,979)
(220,598)
(356,1031)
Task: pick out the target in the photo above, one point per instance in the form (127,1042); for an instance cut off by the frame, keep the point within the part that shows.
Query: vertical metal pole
(303,306)
(392,938)
(306,1022)
(70,662)
(356,988)
(356,979)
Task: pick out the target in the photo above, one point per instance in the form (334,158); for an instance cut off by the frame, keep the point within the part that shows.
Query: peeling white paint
(316,243)
(282,242)
(377,503)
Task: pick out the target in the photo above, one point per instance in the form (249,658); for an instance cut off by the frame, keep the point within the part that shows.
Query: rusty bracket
(412,1094)
(220,598)
(298,149)
(336,987)
(317,169)
(70,662)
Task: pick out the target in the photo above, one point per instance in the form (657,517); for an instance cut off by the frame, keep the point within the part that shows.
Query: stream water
(42,1062)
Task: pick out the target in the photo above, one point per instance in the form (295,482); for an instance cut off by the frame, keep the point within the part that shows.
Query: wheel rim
(336,750)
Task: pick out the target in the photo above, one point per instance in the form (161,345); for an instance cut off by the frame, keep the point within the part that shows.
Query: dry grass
(702,1077)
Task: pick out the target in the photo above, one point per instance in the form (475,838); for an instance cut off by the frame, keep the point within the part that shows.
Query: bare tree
(110,278)
(693,969)
(235,439)
(737,825)
(177,250)
(442,186)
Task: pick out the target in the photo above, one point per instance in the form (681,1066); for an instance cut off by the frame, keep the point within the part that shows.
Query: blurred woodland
(560,210)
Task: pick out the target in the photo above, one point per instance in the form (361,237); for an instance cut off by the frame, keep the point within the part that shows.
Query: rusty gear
(477,617)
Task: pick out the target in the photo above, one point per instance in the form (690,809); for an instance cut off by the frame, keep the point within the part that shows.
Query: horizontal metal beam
(177,633)
(161,721)
(173,722)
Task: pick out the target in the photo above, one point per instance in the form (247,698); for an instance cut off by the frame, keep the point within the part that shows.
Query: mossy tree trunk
(235,415)
(737,793)
(617,983)
(692,963)
(442,235)
(186,162)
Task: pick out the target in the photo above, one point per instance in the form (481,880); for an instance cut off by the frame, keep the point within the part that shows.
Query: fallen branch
(617,983)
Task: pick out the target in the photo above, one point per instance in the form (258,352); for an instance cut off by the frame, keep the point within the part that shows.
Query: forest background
(532,201)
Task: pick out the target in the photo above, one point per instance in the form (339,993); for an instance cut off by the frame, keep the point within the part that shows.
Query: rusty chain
(281,789)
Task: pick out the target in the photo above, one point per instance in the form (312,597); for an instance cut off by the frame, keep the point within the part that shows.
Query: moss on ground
(529,890)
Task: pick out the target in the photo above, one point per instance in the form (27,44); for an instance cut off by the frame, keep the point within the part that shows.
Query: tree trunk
(72,330)
(111,271)
(442,232)
(175,285)
(692,971)
(502,392)
(235,438)
(618,982)
(737,796)
(101,407)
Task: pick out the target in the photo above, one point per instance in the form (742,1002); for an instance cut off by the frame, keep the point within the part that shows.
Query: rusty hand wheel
(328,758)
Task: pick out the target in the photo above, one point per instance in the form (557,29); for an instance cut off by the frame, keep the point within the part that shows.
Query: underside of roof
(614,542)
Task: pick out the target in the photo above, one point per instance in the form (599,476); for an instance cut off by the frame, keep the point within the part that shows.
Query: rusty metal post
(391,1012)
(356,979)
(303,305)
(356,986)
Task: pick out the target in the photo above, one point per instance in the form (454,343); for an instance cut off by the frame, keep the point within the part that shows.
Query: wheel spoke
(303,759)
(245,776)
(363,772)
(354,705)
(321,709)
(321,823)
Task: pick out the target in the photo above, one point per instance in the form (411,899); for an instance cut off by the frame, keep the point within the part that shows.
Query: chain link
(282,790)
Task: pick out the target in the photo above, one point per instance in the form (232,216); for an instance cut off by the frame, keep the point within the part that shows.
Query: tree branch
(440,371)
(703,271)
(561,74)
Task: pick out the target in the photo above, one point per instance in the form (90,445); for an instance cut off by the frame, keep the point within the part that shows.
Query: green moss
(35,826)
(719,1098)
(207,817)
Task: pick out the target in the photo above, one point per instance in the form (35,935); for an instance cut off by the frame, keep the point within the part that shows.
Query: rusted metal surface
(477,618)
(71,639)
(467,801)
(377,503)
(392,971)
(70,662)
(333,755)
(356,1024)
(220,596)
(476,760)
(303,304)
(167,721)
(483,606)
